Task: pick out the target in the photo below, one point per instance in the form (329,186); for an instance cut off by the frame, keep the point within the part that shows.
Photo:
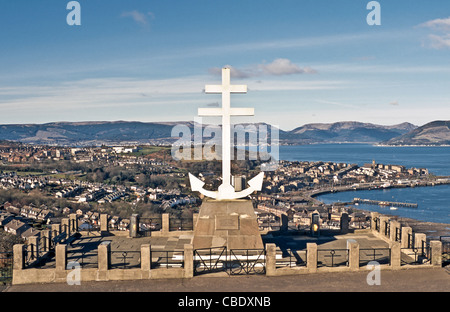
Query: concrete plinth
(230,223)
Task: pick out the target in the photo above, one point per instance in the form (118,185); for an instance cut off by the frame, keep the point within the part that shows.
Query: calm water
(435,159)
(434,202)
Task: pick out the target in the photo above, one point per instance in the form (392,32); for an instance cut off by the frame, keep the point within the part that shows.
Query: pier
(384,203)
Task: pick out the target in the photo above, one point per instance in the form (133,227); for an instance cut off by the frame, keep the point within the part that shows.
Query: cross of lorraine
(226,191)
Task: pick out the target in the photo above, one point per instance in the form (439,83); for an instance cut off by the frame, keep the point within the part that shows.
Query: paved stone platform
(411,280)
(125,251)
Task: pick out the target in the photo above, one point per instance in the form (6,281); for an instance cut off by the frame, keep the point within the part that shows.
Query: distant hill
(132,132)
(86,133)
(432,133)
(345,132)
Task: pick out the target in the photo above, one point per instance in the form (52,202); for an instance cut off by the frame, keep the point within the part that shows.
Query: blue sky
(303,61)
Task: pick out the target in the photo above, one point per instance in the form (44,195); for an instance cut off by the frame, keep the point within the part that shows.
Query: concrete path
(411,280)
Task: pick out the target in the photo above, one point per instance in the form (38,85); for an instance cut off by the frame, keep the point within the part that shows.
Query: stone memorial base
(230,223)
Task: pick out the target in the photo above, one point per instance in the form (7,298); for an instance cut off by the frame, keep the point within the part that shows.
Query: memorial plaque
(227,222)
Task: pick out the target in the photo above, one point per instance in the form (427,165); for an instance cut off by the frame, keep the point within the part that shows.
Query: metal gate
(210,260)
(232,262)
(247,261)
(6,267)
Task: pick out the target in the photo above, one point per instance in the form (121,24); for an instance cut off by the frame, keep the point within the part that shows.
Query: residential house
(30,232)
(16,227)
(45,214)
(5,217)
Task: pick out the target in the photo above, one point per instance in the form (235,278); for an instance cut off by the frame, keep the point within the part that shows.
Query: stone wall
(65,272)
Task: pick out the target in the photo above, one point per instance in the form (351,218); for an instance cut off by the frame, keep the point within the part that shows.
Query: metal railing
(416,255)
(85,258)
(148,225)
(121,259)
(6,267)
(30,254)
(377,224)
(247,261)
(210,260)
(387,228)
(292,258)
(380,255)
(166,258)
(181,224)
(332,257)
(233,262)
(445,240)
(398,234)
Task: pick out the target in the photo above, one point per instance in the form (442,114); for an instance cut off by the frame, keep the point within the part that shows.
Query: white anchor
(226,191)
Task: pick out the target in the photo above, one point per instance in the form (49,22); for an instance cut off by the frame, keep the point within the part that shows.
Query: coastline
(433,230)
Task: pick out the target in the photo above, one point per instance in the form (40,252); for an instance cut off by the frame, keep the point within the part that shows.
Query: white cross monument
(226,190)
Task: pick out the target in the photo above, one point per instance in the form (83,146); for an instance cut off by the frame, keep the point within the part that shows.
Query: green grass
(26,173)
(147,150)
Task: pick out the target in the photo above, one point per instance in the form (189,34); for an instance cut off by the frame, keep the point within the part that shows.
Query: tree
(7,241)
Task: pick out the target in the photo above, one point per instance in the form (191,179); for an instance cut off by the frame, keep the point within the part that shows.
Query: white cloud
(138,17)
(441,38)
(442,24)
(282,66)
(439,41)
(279,67)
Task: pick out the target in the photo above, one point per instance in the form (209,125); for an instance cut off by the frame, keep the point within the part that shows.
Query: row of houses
(178,201)
(11,180)
(68,192)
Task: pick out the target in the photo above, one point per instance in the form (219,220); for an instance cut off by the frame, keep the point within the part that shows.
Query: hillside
(86,133)
(432,133)
(131,132)
(345,132)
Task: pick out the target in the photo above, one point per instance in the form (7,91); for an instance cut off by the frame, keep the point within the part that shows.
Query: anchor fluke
(227,193)
(196,184)
(257,182)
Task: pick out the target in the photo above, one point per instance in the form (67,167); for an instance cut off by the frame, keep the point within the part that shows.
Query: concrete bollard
(33,247)
(395,255)
(436,253)
(104,223)
(47,240)
(73,223)
(270,259)
(194,220)
(353,254)
(61,257)
(104,256)
(65,226)
(373,219)
(145,257)
(134,226)
(165,223)
(406,237)
(56,230)
(19,257)
(311,257)
(419,240)
(383,222)
(394,227)
(188,260)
